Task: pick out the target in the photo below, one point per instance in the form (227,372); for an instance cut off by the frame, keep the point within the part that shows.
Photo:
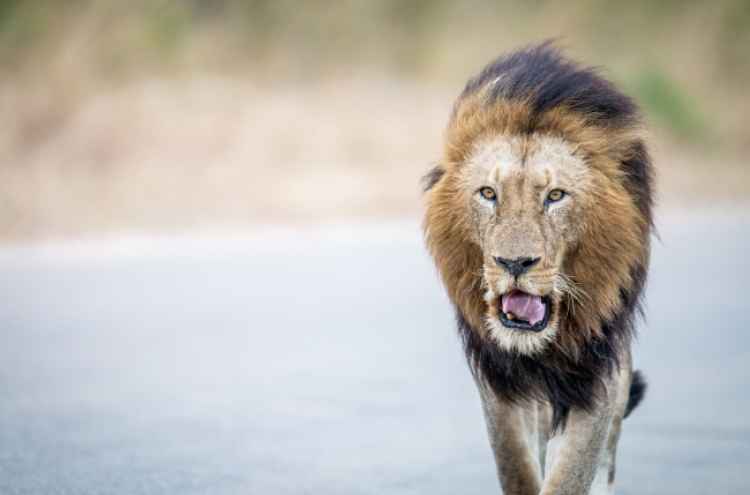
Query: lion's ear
(432,177)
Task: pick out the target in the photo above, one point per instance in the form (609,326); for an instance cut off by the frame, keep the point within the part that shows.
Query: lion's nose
(518,266)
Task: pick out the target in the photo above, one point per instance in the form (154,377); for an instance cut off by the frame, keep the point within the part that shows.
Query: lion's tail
(637,392)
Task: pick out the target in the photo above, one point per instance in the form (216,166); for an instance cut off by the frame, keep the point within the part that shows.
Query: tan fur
(581,456)
(515,438)
(588,244)
(597,258)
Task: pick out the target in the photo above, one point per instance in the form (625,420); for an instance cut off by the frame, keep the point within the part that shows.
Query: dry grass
(184,113)
(205,151)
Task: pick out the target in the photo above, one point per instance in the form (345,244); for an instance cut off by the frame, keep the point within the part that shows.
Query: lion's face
(538,214)
(525,200)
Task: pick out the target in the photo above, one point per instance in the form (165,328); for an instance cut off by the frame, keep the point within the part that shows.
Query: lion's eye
(488,193)
(555,195)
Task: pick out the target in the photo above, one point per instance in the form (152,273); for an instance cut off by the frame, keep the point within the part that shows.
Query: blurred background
(212,276)
(165,115)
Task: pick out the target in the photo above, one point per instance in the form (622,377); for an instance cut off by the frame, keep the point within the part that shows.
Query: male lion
(539,220)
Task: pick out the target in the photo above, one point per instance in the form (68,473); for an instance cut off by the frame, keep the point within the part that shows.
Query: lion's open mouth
(525,311)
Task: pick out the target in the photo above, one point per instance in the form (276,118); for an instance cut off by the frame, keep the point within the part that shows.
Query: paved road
(326,362)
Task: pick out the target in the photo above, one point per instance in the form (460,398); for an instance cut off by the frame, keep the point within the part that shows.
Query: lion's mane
(536,91)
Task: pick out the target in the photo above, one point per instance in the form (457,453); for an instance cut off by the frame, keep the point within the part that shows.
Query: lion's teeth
(510,316)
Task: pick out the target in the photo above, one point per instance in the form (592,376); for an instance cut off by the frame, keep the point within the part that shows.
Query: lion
(539,220)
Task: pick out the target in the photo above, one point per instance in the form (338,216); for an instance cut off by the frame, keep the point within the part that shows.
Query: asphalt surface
(326,362)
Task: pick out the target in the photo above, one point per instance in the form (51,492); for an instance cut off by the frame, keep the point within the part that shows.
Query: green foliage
(164,29)
(449,39)
(734,40)
(667,102)
(25,22)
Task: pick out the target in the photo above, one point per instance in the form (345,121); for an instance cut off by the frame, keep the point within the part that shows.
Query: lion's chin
(521,320)
(519,336)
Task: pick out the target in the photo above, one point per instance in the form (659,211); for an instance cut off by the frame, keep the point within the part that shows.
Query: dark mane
(565,381)
(543,77)
(543,80)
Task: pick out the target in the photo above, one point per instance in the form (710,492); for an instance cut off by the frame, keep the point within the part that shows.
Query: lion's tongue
(525,306)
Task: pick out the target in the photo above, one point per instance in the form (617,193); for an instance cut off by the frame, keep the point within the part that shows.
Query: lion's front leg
(516,442)
(604,482)
(575,455)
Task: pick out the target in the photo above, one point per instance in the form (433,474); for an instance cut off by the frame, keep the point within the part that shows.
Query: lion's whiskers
(568,286)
